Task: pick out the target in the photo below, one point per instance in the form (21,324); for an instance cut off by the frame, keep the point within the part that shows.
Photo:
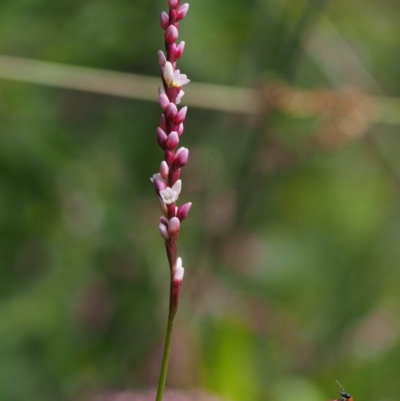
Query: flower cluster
(167,182)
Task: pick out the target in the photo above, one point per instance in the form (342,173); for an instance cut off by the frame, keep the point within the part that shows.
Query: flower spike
(167,182)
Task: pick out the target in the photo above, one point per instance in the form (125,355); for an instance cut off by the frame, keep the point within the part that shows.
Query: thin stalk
(165,360)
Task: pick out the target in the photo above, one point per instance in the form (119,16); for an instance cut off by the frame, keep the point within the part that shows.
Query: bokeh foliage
(291,256)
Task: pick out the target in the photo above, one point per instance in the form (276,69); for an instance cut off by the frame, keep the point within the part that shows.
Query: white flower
(171,195)
(180,96)
(177,186)
(173,79)
(156,177)
(179,79)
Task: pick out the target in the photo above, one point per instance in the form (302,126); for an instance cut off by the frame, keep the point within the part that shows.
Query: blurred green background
(291,249)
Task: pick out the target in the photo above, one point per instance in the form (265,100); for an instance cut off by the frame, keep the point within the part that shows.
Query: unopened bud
(171,34)
(164,20)
(183,211)
(180,117)
(181,157)
(180,129)
(179,50)
(161,137)
(178,275)
(164,231)
(173,226)
(173,3)
(171,112)
(164,170)
(168,73)
(172,140)
(182,11)
(164,221)
(179,271)
(159,186)
(161,58)
(164,101)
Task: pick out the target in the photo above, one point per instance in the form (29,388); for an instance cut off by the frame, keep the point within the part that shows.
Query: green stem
(167,349)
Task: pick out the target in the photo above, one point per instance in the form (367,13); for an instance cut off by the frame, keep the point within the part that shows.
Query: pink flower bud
(183,211)
(173,226)
(173,3)
(164,221)
(168,73)
(179,50)
(161,137)
(159,185)
(171,112)
(164,231)
(164,170)
(171,34)
(172,140)
(164,101)
(181,158)
(180,129)
(180,117)
(182,11)
(164,20)
(161,58)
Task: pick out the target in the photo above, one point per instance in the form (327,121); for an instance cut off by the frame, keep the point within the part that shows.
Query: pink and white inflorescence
(167,182)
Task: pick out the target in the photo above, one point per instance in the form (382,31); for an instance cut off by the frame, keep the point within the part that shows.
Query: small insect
(345,396)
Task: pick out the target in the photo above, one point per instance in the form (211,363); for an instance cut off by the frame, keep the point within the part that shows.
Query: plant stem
(167,348)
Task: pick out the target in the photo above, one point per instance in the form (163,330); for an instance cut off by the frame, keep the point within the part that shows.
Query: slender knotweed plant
(167,182)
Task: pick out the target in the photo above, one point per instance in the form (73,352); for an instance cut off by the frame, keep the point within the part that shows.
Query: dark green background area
(292,269)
